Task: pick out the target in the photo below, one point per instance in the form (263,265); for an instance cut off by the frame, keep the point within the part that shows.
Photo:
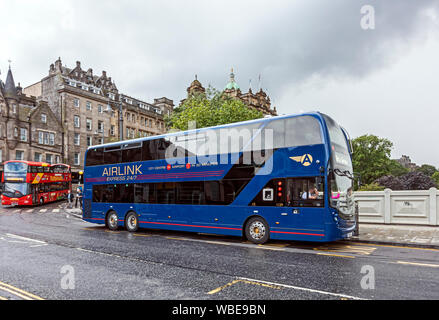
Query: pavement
(41,249)
(413,235)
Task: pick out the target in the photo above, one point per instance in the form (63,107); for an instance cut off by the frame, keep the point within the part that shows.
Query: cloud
(153,49)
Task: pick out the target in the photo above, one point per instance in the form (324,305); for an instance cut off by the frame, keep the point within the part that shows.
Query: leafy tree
(414,180)
(417,180)
(371,157)
(371,187)
(427,169)
(391,182)
(210,109)
(397,169)
(435,177)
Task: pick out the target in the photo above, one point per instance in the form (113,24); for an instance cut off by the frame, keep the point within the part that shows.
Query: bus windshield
(341,172)
(15,190)
(15,167)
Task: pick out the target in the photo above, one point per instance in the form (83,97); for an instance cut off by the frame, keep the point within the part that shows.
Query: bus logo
(305,160)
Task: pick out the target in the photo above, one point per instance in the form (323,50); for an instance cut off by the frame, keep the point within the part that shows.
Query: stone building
(88,108)
(259,101)
(407,163)
(28,128)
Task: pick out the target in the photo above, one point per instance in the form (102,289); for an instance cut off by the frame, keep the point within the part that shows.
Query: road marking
(114,232)
(346,249)
(419,264)
(29,211)
(335,255)
(24,238)
(55,210)
(392,246)
(244,281)
(141,235)
(43,210)
(3,298)
(304,289)
(19,292)
(17,210)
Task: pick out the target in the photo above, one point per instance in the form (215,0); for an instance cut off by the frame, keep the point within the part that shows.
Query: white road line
(43,210)
(24,238)
(304,289)
(419,264)
(29,211)
(55,210)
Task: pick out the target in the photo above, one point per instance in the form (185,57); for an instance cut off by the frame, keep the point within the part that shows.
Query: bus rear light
(279,194)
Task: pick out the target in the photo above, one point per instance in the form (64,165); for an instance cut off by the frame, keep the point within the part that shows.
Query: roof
(10,91)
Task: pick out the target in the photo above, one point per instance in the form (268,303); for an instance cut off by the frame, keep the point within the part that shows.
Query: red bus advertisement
(27,183)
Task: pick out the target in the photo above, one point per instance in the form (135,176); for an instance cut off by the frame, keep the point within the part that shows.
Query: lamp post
(119,103)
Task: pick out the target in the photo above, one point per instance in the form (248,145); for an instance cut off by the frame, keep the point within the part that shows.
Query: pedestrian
(78,197)
(70,199)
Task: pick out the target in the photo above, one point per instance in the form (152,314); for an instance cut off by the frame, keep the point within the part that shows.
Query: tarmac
(403,235)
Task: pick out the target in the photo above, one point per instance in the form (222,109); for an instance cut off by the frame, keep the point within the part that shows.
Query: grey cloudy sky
(313,55)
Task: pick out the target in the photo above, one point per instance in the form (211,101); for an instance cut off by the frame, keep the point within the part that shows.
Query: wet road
(49,254)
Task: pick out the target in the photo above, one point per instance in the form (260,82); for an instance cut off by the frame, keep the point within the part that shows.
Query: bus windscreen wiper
(345,173)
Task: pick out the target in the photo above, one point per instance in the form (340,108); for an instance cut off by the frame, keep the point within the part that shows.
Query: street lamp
(120,116)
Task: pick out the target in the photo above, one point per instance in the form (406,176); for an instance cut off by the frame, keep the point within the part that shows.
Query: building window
(1,155)
(49,158)
(76,159)
(14,108)
(112,130)
(38,157)
(76,102)
(100,108)
(88,124)
(89,141)
(43,118)
(19,155)
(57,159)
(23,134)
(76,121)
(15,132)
(100,126)
(77,139)
(100,141)
(51,139)
(88,105)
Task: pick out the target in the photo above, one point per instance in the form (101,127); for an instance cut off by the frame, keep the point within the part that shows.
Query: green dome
(232,85)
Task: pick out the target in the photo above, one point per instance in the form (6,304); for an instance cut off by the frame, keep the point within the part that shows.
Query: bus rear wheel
(257,230)
(112,221)
(132,222)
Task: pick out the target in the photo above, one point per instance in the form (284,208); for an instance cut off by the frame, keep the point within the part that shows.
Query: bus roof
(234,124)
(38,164)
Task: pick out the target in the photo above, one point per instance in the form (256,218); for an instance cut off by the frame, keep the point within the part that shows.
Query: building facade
(92,110)
(259,101)
(28,128)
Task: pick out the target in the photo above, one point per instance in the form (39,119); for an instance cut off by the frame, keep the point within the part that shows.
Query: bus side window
(305,192)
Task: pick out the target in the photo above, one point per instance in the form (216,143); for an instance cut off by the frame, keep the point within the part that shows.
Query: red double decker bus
(30,183)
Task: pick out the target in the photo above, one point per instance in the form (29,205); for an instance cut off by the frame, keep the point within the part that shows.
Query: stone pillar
(387,206)
(433,206)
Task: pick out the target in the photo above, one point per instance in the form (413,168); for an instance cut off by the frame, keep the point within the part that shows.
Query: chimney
(78,64)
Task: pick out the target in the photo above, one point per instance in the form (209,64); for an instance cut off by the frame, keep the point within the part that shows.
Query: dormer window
(43,118)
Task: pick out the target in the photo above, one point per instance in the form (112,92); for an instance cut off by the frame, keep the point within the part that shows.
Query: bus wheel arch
(256,229)
(111,220)
(131,221)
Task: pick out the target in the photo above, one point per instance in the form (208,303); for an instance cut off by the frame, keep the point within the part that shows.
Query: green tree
(435,177)
(397,169)
(210,109)
(427,169)
(371,157)
(371,187)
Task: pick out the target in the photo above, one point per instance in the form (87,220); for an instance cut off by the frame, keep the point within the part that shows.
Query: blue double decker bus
(286,177)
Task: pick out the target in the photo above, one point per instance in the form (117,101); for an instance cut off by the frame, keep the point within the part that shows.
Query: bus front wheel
(112,221)
(257,230)
(132,222)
